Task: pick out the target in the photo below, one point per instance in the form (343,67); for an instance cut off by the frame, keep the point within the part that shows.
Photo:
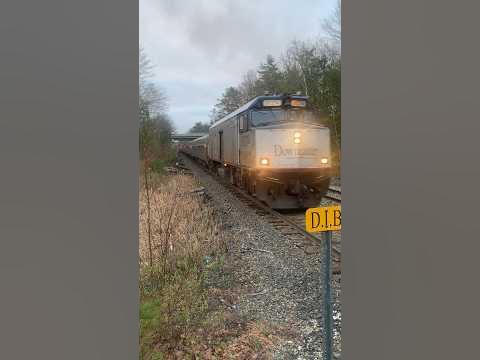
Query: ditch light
(264,161)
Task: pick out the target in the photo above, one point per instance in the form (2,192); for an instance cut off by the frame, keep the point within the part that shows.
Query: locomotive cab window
(272,116)
(266,117)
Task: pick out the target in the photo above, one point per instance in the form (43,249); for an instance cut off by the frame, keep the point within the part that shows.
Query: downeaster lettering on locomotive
(280,151)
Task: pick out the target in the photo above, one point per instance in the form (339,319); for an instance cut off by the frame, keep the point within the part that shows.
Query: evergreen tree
(269,77)
(230,101)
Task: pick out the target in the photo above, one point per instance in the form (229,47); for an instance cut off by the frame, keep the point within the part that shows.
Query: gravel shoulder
(276,280)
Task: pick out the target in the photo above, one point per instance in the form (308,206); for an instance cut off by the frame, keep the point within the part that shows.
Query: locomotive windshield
(273,116)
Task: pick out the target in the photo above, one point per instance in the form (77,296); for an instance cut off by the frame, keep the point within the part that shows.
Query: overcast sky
(199,47)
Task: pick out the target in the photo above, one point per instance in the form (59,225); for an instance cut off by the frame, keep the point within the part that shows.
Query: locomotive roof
(254,103)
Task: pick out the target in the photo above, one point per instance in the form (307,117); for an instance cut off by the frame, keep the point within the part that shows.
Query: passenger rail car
(273,146)
(197,149)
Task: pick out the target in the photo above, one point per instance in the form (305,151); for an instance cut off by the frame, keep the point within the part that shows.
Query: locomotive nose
(296,147)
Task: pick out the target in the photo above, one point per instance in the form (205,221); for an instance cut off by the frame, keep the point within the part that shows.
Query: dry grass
(253,343)
(182,226)
(178,237)
(180,318)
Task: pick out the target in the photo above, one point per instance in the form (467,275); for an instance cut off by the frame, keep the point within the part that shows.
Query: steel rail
(280,222)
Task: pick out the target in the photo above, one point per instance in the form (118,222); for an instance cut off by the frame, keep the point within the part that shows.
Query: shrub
(176,236)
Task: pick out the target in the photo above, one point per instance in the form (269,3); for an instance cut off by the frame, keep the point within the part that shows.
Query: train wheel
(238,178)
(253,185)
(232,176)
(248,184)
(262,192)
(244,182)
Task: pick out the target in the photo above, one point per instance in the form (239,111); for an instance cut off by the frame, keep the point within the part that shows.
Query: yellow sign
(323,219)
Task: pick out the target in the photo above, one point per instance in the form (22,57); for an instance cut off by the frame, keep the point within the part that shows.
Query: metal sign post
(327,296)
(325,220)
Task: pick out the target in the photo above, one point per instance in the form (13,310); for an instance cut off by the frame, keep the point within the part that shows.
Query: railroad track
(334,193)
(291,226)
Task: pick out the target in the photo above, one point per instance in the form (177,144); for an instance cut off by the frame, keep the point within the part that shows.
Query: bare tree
(248,86)
(145,67)
(295,67)
(333,24)
(151,96)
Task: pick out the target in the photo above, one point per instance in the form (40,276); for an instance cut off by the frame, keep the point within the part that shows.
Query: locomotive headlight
(296,138)
(324,160)
(264,161)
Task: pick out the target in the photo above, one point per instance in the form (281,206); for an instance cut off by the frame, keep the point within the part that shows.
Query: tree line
(155,128)
(311,67)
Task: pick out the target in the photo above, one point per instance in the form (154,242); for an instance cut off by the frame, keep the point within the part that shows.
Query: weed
(181,250)
(177,232)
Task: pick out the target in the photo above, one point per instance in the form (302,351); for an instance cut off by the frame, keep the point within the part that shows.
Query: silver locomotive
(273,146)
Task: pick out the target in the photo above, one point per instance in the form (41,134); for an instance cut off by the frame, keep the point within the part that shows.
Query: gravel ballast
(279,281)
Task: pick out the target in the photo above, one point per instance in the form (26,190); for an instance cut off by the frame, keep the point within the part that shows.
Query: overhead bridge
(187,137)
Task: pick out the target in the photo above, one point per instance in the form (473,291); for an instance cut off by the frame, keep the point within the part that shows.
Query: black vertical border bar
(69,188)
(410,179)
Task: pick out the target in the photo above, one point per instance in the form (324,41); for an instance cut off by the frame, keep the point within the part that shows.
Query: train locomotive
(274,146)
